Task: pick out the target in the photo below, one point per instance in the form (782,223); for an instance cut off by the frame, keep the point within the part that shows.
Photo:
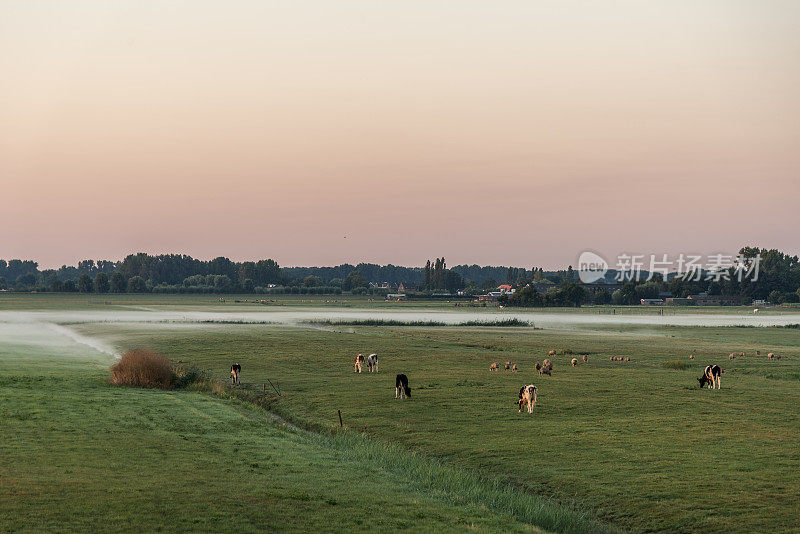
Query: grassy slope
(639,444)
(78,454)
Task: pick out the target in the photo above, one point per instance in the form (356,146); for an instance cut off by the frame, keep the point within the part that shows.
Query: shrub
(143,369)
(677,364)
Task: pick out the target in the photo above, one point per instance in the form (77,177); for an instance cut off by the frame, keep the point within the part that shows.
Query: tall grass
(143,369)
(677,364)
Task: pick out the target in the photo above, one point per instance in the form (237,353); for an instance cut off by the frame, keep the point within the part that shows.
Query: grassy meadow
(633,445)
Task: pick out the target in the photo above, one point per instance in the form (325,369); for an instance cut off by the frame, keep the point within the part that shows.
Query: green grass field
(634,445)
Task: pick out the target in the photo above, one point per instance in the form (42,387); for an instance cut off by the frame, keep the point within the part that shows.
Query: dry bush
(144,369)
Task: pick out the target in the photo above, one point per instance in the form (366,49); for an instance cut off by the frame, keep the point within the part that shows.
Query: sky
(316,133)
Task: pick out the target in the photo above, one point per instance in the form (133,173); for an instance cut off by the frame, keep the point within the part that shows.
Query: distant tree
(426,283)
(56,286)
(221,282)
(453,281)
(312,281)
(117,283)
(101,284)
(69,286)
(648,290)
(776,297)
(85,284)
(353,281)
(248,285)
(136,284)
(3,283)
(489,283)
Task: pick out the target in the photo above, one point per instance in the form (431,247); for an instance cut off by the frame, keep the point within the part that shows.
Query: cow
(236,370)
(527,397)
(551,353)
(401,389)
(574,362)
(711,376)
(372,363)
(514,368)
(494,367)
(359,363)
(585,358)
(508,366)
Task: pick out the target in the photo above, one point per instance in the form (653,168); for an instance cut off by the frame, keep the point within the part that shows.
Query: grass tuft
(677,364)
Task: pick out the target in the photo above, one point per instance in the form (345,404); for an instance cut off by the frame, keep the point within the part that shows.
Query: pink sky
(325,132)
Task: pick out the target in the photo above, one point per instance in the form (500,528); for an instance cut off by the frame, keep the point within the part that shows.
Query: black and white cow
(401,389)
(711,376)
(372,363)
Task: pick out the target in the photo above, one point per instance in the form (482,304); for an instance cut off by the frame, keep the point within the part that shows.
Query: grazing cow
(359,363)
(401,389)
(741,354)
(574,362)
(611,358)
(538,367)
(712,377)
(585,358)
(627,358)
(372,363)
(508,366)
(770,355)
(777,356)
(514,368)
(547,367)
(758,353)
(494,367)
(236,370)
(731,356)
(527,397)
(691,356)
(551,353)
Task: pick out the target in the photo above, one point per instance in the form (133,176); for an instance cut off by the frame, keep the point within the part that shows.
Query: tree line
(778,281)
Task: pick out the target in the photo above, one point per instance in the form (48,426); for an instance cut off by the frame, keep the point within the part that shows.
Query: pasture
(635,445)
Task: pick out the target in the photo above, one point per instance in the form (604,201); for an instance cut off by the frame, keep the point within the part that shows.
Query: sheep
(574,362)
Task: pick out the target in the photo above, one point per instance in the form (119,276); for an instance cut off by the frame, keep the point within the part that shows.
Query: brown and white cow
(527,397)
(359,363)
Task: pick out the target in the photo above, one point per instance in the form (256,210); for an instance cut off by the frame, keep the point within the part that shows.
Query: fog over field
(298,316)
